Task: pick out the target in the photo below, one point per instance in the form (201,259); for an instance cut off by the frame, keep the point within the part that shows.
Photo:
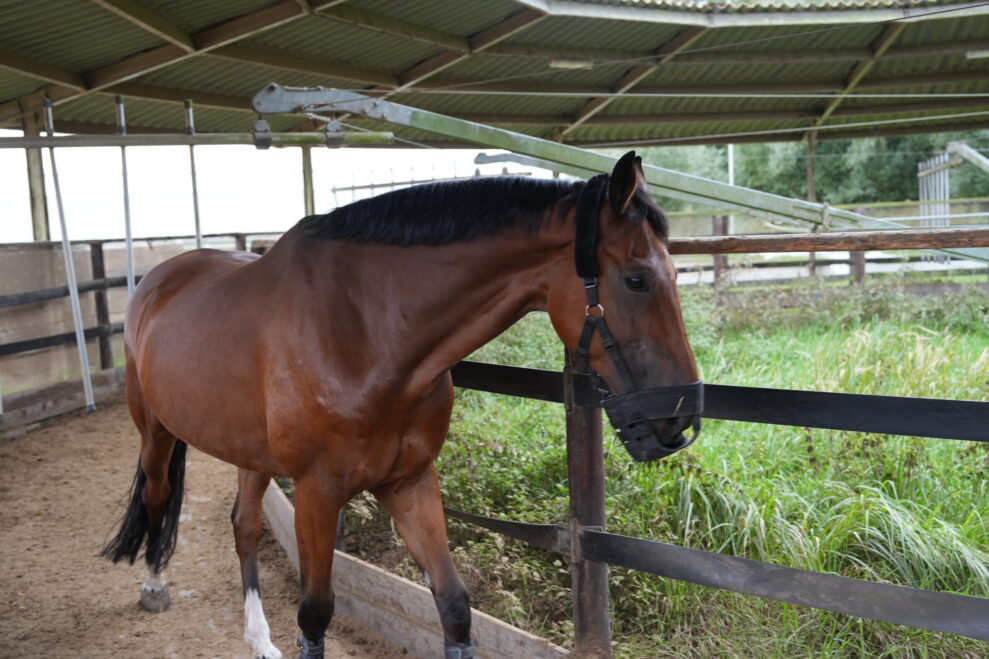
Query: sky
(240,188)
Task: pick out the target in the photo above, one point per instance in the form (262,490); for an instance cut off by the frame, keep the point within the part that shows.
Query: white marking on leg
(155,581)
(256,631)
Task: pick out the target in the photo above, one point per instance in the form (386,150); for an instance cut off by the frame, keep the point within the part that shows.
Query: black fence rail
(585,541)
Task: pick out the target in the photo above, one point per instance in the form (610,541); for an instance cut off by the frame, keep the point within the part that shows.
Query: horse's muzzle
(650,422)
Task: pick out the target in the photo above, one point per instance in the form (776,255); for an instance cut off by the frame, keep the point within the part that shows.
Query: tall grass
(895,509)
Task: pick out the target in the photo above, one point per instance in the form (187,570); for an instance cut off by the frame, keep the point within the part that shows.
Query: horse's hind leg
(246,518)
(155,502)
(417,508)
(163,463)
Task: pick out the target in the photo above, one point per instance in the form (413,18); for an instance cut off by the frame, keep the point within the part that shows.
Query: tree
(847,171)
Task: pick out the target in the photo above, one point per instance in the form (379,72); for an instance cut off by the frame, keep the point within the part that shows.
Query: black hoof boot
(458,650)
(311,650)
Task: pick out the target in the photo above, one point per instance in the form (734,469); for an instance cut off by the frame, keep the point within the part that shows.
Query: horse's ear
(624,180)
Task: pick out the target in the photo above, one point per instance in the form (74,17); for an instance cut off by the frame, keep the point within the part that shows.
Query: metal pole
(70,270)
(190,128)
(731,181)
(585,470)
(307,188)
(812,190)
(128,239)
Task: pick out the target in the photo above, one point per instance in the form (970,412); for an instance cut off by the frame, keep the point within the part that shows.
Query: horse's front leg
(417,508)
(317,504)
(246,518)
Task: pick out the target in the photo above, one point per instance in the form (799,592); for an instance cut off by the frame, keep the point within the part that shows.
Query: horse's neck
(429,307)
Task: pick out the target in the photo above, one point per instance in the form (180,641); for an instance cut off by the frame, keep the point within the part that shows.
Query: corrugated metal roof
(463,17)
(583,33)
(324,39)
(74,35)
(13,85)
(803,54)
(193,15)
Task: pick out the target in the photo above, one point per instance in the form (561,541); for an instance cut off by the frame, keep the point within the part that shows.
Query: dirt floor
(62,489)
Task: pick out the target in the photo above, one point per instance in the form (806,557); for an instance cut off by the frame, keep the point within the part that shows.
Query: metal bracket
(262,135)
(576,533)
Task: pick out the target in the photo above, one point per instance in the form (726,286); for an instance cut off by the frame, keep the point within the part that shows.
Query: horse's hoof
(155,600)
(309,649)
(458,650)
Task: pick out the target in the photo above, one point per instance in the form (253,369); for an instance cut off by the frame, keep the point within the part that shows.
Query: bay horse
(327,361)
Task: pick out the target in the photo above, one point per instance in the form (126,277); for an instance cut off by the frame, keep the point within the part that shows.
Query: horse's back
(165,283)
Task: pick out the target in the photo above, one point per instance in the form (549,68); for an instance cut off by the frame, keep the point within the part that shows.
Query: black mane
(445,212)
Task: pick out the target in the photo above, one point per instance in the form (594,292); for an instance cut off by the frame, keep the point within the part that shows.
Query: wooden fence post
(102,306)
(585,470)
(857,261)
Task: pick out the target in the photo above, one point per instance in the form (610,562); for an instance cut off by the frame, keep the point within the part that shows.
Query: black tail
(134,525)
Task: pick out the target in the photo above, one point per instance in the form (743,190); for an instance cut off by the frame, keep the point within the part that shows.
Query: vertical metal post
(585,470)
(190,128)
(70,269)
(31,124)
(128,238)
(102,307)
(730,229)
(307,187)
(719,226)
(812,190)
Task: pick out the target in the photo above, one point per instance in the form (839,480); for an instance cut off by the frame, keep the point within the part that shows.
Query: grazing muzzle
(649,422)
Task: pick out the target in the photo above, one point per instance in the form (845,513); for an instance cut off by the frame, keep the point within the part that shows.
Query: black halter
(632,412)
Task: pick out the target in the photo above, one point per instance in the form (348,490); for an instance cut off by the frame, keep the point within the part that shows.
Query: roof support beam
(381,23)
(722,117)
(149,21)
(285,62)
(32,68)
(879,47)
(179,96)
(728,57)
(632,77)
(715,19)
(513,24)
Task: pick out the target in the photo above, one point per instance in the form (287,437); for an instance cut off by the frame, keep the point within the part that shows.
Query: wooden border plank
(401,611)
(34,405)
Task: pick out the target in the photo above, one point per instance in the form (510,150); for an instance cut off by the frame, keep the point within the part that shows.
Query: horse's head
(619,309)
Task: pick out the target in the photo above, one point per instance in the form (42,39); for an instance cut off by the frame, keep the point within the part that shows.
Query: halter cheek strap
(632,412)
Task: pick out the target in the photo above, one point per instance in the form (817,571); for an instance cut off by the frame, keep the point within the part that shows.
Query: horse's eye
(636,283)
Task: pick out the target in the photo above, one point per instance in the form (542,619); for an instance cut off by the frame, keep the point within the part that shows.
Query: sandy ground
(62,490)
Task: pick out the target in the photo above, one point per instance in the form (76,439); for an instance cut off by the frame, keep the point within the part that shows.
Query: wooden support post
(307,187)
(240,242)
(585,469)
(102,307)
(719,228)
(31,122)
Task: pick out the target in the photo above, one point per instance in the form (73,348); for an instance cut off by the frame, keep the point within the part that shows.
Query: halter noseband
(631,413)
